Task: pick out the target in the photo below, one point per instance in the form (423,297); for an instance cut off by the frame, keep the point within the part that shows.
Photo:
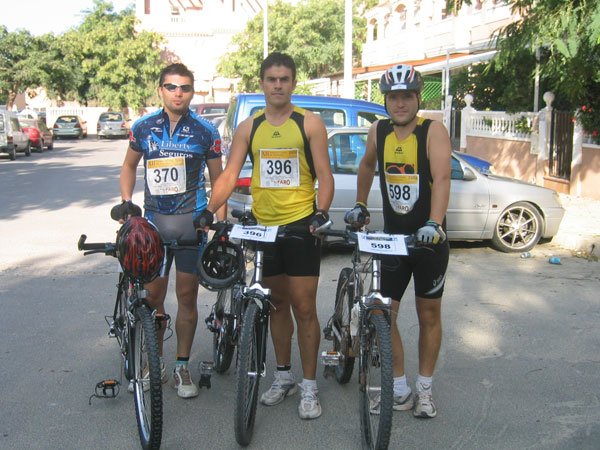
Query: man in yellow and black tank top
(413,156)
(288,148)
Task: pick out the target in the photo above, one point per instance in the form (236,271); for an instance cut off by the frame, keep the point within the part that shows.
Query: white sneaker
(425,407)
(283,386)
(309,407)
(186,388)
(146,384)
(401,402)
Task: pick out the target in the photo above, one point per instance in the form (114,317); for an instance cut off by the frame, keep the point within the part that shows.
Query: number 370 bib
(403,191)
(166,176)
(279,168)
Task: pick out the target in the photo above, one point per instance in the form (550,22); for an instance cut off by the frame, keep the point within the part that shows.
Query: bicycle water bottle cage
(105,389)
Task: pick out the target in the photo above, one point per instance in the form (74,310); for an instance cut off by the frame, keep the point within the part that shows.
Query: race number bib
(382,243)
(166,176)
(279,168)
(403,191)
(258,233)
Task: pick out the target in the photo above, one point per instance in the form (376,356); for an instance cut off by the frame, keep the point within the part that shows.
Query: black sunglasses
(171,87)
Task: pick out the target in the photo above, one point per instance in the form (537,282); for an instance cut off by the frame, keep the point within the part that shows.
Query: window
(365,119)
(345,151)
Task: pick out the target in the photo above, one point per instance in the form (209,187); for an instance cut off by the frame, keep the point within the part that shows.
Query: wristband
(433,222)
(364,205)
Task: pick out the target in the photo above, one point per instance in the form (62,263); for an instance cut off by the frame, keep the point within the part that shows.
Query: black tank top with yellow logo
(404,177)
(283,174)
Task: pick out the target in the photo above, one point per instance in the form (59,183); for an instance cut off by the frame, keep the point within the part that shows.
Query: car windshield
(111,117)
(67,119)
(27,122)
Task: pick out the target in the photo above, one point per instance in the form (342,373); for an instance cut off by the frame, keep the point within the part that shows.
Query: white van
(12,137)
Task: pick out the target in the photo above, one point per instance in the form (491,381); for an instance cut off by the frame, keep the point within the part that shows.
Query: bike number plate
(258,233)
(382,243)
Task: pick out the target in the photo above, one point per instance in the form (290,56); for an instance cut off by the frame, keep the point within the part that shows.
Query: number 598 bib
(403,191)
(166,176)
(279,168)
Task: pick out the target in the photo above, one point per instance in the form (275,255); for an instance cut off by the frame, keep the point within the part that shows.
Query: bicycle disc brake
(105,389)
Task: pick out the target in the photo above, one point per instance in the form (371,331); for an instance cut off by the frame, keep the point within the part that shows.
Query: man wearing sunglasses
(176,145)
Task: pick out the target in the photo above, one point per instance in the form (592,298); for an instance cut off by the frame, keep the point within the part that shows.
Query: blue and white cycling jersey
(174,165)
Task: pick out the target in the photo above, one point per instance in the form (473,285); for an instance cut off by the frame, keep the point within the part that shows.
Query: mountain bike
(134,325)
(360,327)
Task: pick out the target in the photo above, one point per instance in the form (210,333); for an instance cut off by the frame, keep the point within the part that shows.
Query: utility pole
(265,29)
(348,81)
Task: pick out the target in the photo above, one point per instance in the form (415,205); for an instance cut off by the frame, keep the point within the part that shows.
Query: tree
(312,32)
(118,66)
(19,52)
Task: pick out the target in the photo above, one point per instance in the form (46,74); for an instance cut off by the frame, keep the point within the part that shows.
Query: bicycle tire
(343,305)
(148,404)
(248,375)
(376,382)
(223,346)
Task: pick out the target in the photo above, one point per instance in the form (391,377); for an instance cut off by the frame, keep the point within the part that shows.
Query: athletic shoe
(283,386)
(146,384)
(183,382)
(401,402)
(309,407)
(425,407)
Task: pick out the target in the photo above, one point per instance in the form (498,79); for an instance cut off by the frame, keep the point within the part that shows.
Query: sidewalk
(580,227)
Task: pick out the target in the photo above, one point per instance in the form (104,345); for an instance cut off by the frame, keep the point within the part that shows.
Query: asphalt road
(519,366)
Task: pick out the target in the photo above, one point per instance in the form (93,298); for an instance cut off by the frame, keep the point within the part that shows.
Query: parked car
(512,214)
(210,108)
(480,164)
(70,126)
(112,124)
(12,137)
(39,134)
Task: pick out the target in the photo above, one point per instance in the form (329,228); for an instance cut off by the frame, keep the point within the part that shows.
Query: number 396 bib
(279,168)
(166,176)
(403,191)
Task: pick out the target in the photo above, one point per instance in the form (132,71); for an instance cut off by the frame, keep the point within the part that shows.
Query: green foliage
(311,32)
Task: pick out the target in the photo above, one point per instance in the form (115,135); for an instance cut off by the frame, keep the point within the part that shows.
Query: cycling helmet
(220,264)
(401,78)
(139,249)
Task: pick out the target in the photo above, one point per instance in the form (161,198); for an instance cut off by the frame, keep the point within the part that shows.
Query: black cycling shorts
(427,264)
(179,227)
(297,254)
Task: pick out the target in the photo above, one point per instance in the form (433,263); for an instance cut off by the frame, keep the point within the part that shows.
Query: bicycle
(134,324)
(247,325)
(360,326)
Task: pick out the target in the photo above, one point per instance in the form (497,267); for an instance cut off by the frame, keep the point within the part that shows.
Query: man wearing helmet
(413,155)
(294,138)
(176,145)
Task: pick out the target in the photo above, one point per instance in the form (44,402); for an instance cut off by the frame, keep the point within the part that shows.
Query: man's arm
(366,168)
(439,150)
(317,138)
(215,169)
(128,173)
(224,184)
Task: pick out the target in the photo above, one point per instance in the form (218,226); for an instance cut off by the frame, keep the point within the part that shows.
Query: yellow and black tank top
(283,174)
(404,177)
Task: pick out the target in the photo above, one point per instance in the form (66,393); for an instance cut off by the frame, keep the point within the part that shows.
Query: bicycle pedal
(328,333)
(105,389)
(112,333)
(331,358)
(206,368)
(211,323)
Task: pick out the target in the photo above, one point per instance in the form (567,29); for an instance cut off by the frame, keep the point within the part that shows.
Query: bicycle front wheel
(147,386)
(223,337)
(341,321)
(248,374)
(376,384)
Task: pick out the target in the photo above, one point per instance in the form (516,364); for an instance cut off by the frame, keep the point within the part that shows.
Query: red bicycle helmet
(139,249)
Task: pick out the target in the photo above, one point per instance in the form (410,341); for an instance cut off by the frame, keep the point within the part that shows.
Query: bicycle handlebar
(110,248)
(349,234)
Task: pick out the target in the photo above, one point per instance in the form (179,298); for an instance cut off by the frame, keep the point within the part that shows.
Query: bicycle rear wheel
(376,384)
(223,336)
(147,386)
(341,321)
(248,374)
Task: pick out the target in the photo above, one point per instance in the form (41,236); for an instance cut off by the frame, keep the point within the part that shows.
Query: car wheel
(51,145)
(41,147)
(28,149)
(12,154)
(518,229)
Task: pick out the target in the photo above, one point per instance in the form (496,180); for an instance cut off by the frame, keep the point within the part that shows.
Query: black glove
(431,233)
(320,219)
(359,214)
(205,219)
(123,210)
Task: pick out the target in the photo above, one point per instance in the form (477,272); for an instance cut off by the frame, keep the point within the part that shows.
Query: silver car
(513,214)
(112,124)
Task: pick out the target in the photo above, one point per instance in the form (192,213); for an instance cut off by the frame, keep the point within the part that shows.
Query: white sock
(309,384)
(400,386)
(424,382)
